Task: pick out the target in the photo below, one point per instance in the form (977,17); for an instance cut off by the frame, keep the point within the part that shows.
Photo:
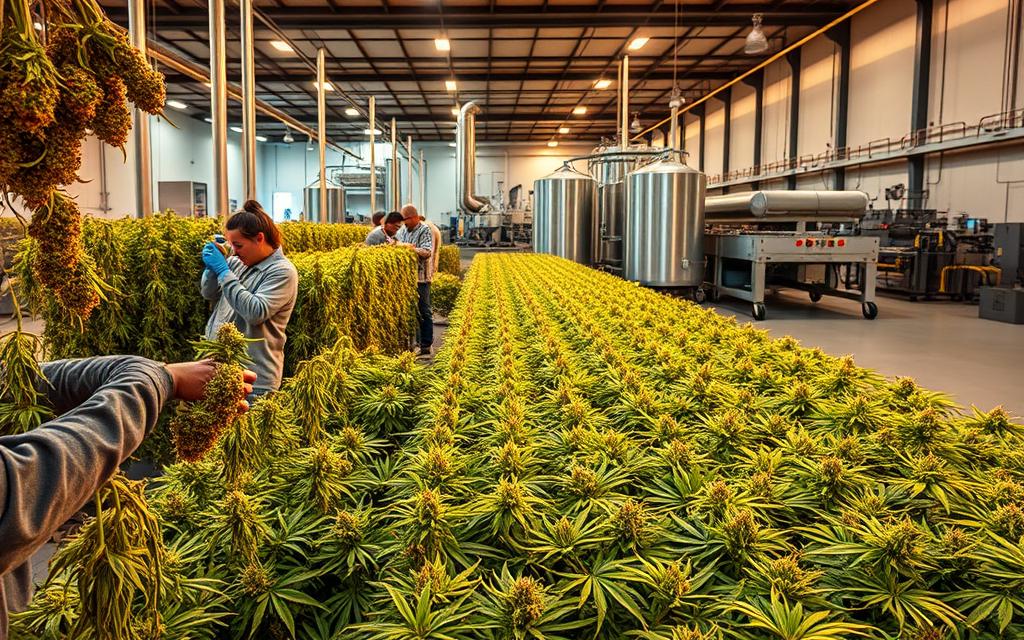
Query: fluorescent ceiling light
(455,111)
(451,144)
(602,84)
(351,111)
(366,132)
(208,119)
(638,43)
(327,86)
(261,138)
(442,44)
(282,46)
(177,104)
(552,143)
(237,129)
(563,130)
(450,85)
(580,110)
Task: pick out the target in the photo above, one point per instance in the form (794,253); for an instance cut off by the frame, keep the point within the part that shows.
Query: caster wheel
(758,311)
(870,310)
(815,296)
(699,296)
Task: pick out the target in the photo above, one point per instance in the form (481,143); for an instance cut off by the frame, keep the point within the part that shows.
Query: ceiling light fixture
(552,143)
(580,110)
(455,111)
(366,132)
(351,111)
(208,119)
(288,137)
(282,46)
(638,43)
(237,129)
(451,144)
(450,85)
(635,126)
(177,104)
(602,84)
(327,86)
(757,43)
(563,130)
(261,138)
(442,44)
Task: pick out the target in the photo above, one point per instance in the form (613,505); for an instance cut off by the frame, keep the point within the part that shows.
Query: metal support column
(248,101)
(321,126)
(395,183)
(840,34)
(373,155)
(625,102)
(793,58)
(423,186)
(220,204)
(726,98)
(700,112)
(916,196)
(757,82)
(408,151)
(143,157)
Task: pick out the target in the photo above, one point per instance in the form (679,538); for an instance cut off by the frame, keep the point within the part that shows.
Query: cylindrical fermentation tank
(335,203)
(663,244)
(563,215)
(609,170)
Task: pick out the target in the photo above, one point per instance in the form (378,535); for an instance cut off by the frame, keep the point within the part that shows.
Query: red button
(810,243)
(799,243)
(842,243)
(831,243)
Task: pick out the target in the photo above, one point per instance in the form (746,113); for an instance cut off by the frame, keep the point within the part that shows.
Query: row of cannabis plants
(585,458)
(153,307)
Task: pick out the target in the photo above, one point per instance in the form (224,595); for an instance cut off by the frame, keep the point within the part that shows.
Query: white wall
(714,134)
(741,134)
(775,121)
(818,62)
(691,140)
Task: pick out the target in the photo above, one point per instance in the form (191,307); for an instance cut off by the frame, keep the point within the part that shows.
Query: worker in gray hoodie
(105,406)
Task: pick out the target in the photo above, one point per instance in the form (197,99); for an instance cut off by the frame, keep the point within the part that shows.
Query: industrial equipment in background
(480,221)
(1005,303)
(925,254)
(760,241)
(345,182)
(183,197)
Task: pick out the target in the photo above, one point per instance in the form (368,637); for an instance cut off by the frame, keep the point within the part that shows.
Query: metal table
(744,264)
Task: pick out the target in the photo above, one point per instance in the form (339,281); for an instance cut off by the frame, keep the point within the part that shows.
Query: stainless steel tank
(663,244)
(609,170)
(335,203)
(563,215)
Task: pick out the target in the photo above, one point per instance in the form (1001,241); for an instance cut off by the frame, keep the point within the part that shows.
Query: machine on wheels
(747,255)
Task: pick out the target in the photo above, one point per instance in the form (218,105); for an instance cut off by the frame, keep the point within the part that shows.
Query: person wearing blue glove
(255,288)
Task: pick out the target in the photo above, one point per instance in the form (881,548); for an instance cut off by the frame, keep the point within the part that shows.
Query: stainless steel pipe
(465,161)
(321,126)
(784,205)
(248,101)
(219,109)
(373,155)
(143,150)
(395,182)
(625,102)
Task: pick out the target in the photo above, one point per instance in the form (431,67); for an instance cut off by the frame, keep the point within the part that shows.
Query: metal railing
(989,125)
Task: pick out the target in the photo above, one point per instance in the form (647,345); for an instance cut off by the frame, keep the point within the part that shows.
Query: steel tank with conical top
(563,215)
(663,240)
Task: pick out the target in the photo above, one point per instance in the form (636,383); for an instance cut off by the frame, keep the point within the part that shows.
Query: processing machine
(763,240)
(927,254)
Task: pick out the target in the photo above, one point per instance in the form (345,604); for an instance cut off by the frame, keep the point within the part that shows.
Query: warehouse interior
(689,319)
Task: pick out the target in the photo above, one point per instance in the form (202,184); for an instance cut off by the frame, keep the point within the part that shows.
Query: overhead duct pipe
(373,155)
(624,123)
(786,206)
(396,179)
(143,150)
(465,161)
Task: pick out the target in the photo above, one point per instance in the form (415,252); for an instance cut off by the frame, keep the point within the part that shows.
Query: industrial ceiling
(528,63)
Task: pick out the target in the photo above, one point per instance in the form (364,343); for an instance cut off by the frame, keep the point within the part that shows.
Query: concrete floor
(942,345)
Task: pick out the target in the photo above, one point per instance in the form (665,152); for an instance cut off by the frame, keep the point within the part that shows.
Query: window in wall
(283,211)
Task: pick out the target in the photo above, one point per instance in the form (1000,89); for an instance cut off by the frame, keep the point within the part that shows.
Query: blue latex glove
(215,260)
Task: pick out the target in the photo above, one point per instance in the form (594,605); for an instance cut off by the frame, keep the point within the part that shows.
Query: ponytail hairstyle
(252,220)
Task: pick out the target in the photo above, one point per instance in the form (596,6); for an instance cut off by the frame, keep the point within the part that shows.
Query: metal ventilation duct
(465,161)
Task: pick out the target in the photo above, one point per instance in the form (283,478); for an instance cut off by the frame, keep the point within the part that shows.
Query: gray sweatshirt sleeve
(209,287)
(105,408)
(280,288)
